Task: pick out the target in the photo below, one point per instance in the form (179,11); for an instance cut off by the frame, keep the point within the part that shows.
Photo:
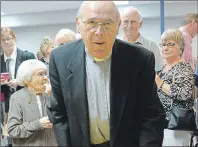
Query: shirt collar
(13,55)
(139,40)
(96,59)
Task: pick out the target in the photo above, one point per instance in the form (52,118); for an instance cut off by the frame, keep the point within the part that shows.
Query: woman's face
(7,42)
(170,50)
(49,49)
(38,81)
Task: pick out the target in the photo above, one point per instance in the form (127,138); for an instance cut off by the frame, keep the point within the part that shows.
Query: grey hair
(26,70)
(175,35)
(63,32)
(188,18)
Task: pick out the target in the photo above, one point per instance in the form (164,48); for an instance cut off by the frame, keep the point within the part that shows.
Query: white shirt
(152,46)
(98,95)
(39,105)
(12,63)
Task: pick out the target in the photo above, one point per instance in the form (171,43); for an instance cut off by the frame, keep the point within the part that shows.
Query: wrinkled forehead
(131,15)
(99,13)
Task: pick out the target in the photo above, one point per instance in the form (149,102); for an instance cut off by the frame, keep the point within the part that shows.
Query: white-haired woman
(175,87)
(28,123)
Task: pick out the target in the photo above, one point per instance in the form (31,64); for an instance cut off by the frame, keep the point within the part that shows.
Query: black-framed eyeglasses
(167,44)
(92,24)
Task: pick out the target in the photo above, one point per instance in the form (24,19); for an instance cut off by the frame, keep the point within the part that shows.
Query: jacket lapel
(3,64)
(18,60)
(77,88)
(121,84)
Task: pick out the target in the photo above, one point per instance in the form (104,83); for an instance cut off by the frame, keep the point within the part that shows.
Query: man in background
(63,36)
(189,28)
(131,22)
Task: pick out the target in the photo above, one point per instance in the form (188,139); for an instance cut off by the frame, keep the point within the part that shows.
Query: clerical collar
(96,59)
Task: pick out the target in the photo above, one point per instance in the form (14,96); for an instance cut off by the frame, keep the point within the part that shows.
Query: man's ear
(141,24)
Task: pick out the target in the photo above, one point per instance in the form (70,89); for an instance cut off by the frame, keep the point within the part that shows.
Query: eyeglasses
(7,39)
(92,24)
(167,44)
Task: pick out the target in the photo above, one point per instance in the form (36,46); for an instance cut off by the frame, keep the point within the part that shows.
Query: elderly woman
(28,123)
(175,84)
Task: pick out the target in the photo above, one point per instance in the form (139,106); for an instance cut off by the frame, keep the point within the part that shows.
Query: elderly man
(189,29)
(64,36)
(103,89)
(131,22)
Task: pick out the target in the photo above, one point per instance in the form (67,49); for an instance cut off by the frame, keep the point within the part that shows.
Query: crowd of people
(98,90)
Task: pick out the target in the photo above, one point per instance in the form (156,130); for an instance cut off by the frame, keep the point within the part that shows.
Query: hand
(48,89)
(158,80)
(12,83)
(45,122)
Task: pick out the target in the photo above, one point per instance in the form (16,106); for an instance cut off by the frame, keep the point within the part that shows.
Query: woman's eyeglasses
(167,44)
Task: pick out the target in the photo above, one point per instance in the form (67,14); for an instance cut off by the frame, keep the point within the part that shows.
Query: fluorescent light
(2,13)
(121,2)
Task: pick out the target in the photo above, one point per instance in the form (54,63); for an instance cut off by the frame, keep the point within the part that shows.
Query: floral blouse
(181,80)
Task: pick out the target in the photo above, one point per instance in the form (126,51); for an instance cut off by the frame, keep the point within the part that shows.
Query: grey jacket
(23,120)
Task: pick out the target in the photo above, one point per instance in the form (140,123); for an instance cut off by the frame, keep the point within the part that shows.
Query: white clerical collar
(94,59)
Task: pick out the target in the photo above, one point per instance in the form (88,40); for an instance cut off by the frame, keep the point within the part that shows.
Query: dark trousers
(101,145)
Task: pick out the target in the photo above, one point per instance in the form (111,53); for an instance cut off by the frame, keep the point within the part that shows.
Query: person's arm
(16,127)
(57,109)
(158,56)
(153,114)
(182,87)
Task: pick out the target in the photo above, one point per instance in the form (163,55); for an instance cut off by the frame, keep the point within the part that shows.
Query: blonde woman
(46,47)
(175,84)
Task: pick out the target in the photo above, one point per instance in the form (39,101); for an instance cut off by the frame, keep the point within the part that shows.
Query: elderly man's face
(38,81)
(131,23)
(7,42)
(99,28)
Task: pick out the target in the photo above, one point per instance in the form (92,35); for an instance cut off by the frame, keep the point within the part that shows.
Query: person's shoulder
(18,95)
(24,53)
(150,42)
(133,49)
(67,48)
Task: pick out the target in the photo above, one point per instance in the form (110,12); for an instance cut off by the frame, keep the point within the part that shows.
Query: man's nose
(99,30)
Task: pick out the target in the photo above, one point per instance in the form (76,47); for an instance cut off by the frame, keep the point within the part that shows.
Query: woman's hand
(158,80)
(45,122)
(48,89)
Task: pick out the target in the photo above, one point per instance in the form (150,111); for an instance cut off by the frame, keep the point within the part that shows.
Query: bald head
(64,36)
(98,24)
(131,23)
(103,7)
(133,13)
